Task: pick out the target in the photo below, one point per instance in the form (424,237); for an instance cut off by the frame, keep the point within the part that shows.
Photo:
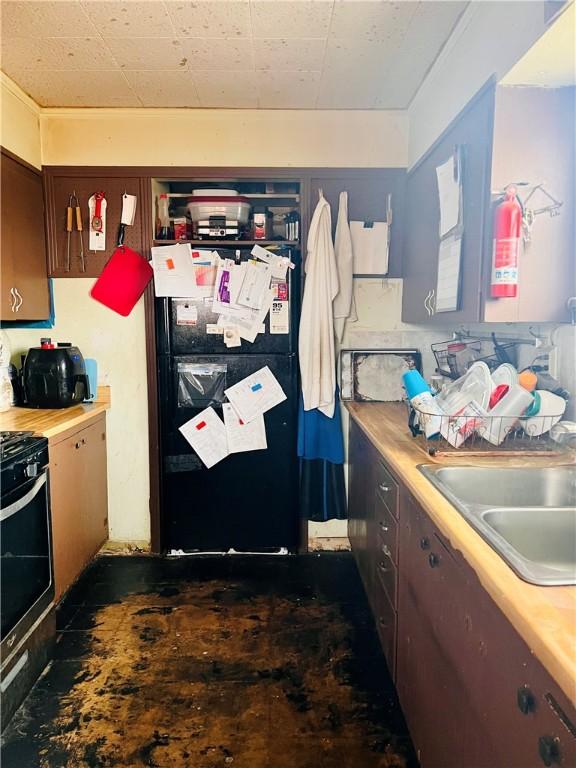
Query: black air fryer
(54,377)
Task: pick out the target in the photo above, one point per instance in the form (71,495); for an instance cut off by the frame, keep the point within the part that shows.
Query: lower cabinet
(79,501)
(373,533)
(472,692)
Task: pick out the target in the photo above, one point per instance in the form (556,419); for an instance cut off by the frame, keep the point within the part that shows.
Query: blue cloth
(320,437)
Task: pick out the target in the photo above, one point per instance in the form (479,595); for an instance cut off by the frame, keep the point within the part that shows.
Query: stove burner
(12,443)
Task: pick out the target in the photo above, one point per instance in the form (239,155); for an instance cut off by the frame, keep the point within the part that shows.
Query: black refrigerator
(248,502)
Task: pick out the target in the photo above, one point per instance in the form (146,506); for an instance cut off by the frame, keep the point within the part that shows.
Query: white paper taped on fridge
(256,394)
(206,434)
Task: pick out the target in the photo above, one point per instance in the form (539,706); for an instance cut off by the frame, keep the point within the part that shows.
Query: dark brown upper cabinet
(508,134)
(368,190)
(534,143)
(23,280)
(471,131)
(60,184)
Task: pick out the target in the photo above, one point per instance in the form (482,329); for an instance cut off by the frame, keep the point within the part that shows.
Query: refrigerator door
(249,501)
(182,325)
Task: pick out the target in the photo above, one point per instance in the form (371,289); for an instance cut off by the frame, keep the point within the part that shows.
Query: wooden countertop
(544,616)
(52,422)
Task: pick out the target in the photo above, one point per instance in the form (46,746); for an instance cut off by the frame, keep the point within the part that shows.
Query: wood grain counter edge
(545,617)
(55,423)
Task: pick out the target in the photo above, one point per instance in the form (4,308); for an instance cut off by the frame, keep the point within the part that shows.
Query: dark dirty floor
(210,662)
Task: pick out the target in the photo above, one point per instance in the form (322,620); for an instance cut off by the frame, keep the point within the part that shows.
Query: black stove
(22,456)
(27,628)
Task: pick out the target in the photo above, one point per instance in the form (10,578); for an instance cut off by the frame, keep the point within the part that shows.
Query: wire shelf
(455,356)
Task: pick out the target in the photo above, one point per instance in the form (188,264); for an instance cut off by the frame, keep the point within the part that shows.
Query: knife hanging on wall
(127,216)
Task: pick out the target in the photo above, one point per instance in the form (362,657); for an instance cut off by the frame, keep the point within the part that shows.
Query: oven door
(25,559)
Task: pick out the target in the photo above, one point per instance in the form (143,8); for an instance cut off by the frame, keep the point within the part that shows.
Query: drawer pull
(383,488)
(433,560)
(382,566)
(548,750)
(383,527)
(78,444)
(525,699)
(386,551)
(424,543)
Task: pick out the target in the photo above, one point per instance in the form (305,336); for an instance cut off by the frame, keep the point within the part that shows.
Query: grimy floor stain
(213,662)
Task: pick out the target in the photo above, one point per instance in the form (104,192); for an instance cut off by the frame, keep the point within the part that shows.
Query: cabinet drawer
(386,527)
(387,488)
(386,573)
(385,617)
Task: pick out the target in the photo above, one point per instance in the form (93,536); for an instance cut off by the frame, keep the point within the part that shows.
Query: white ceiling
(267,54)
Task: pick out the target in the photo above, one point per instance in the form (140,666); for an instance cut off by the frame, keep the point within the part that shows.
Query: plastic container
(505,415)
(230,208)
(421,398)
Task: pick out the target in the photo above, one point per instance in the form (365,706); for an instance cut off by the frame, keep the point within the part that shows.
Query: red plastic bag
(123,280)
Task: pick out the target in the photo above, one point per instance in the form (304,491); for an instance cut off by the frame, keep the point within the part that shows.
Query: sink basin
(510,487)
(546,536)
(527,515)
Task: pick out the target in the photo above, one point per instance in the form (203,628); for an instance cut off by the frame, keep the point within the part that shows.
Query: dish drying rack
(510,435)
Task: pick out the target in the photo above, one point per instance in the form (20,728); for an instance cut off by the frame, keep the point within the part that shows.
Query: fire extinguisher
(506,245)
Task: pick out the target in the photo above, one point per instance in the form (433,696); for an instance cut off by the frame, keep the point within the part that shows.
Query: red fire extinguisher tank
(506,246)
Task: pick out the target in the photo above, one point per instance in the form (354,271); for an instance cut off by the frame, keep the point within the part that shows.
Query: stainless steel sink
(527,515)
(510,487)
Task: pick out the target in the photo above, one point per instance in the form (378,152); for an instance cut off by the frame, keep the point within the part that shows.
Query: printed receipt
(206,433)
(241,435)
(255,394)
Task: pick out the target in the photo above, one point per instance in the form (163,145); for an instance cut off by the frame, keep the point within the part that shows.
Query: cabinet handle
(426,307)
(525,700)
(424,543)
(18,300)
(548,750)
(382,566)
(78,444)
(383,487)
(386,551)
(432,303)
(383,527)
(433,560)
(13,305)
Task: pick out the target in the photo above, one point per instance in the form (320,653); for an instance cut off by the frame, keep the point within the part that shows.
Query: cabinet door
(472,131)
(547,264)
(60,185)
(78,499)
(94,511)
(24,282)
(431,660)
(361,502)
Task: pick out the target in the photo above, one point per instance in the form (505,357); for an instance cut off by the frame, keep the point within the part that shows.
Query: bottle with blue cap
(422,400)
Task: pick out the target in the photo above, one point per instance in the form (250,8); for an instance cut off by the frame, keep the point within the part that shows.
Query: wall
(118,345)
(19,122)
(488,39)
(220,137)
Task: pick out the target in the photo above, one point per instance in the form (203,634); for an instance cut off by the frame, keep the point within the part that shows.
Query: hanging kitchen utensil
(127,216)
(80,229)
(97,233)
(69,218)
(123,280)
